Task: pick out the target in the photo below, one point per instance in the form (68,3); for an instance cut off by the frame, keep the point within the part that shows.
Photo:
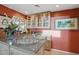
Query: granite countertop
(21,49)
(28,49)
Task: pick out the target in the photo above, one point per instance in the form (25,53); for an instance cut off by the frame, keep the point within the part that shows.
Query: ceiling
(31,8)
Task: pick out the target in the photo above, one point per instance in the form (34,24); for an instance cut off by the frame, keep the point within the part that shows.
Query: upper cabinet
(40,20)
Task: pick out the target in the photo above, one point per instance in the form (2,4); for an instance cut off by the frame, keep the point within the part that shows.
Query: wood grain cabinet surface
(46,47)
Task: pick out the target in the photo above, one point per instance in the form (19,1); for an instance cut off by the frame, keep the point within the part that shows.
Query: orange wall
(69,40)
(10,13)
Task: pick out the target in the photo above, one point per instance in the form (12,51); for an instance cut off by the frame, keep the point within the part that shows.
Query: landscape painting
(69,24)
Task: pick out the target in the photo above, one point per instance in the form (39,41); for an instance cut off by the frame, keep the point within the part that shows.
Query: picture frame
(66,24)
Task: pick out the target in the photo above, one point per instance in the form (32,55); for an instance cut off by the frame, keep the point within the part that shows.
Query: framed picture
(68,24)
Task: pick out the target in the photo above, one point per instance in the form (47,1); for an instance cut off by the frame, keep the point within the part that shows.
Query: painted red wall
(69,40)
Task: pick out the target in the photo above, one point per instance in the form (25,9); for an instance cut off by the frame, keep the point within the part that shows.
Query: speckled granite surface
(30,48)
(21,49)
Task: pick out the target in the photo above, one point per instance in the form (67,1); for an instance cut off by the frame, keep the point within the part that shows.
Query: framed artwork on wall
(66,24)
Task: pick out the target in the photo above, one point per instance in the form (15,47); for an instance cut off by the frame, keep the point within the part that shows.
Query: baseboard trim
(63,51)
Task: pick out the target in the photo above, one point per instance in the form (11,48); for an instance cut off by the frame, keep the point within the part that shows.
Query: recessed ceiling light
(57,6)
(36,5)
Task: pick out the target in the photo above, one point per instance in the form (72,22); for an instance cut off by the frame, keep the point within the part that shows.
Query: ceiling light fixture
(36,5)
(57,6)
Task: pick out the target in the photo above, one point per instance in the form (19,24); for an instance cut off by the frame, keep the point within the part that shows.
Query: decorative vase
(10,35)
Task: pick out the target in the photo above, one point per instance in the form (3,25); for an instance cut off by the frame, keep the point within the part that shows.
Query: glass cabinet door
(46,20)
(33,21)
(40,21)
(28,23)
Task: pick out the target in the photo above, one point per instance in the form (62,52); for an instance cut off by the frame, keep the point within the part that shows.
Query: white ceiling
(31,9)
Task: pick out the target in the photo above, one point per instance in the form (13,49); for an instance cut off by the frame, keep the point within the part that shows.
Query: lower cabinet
(47,45)
(41,51)
(44,48)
